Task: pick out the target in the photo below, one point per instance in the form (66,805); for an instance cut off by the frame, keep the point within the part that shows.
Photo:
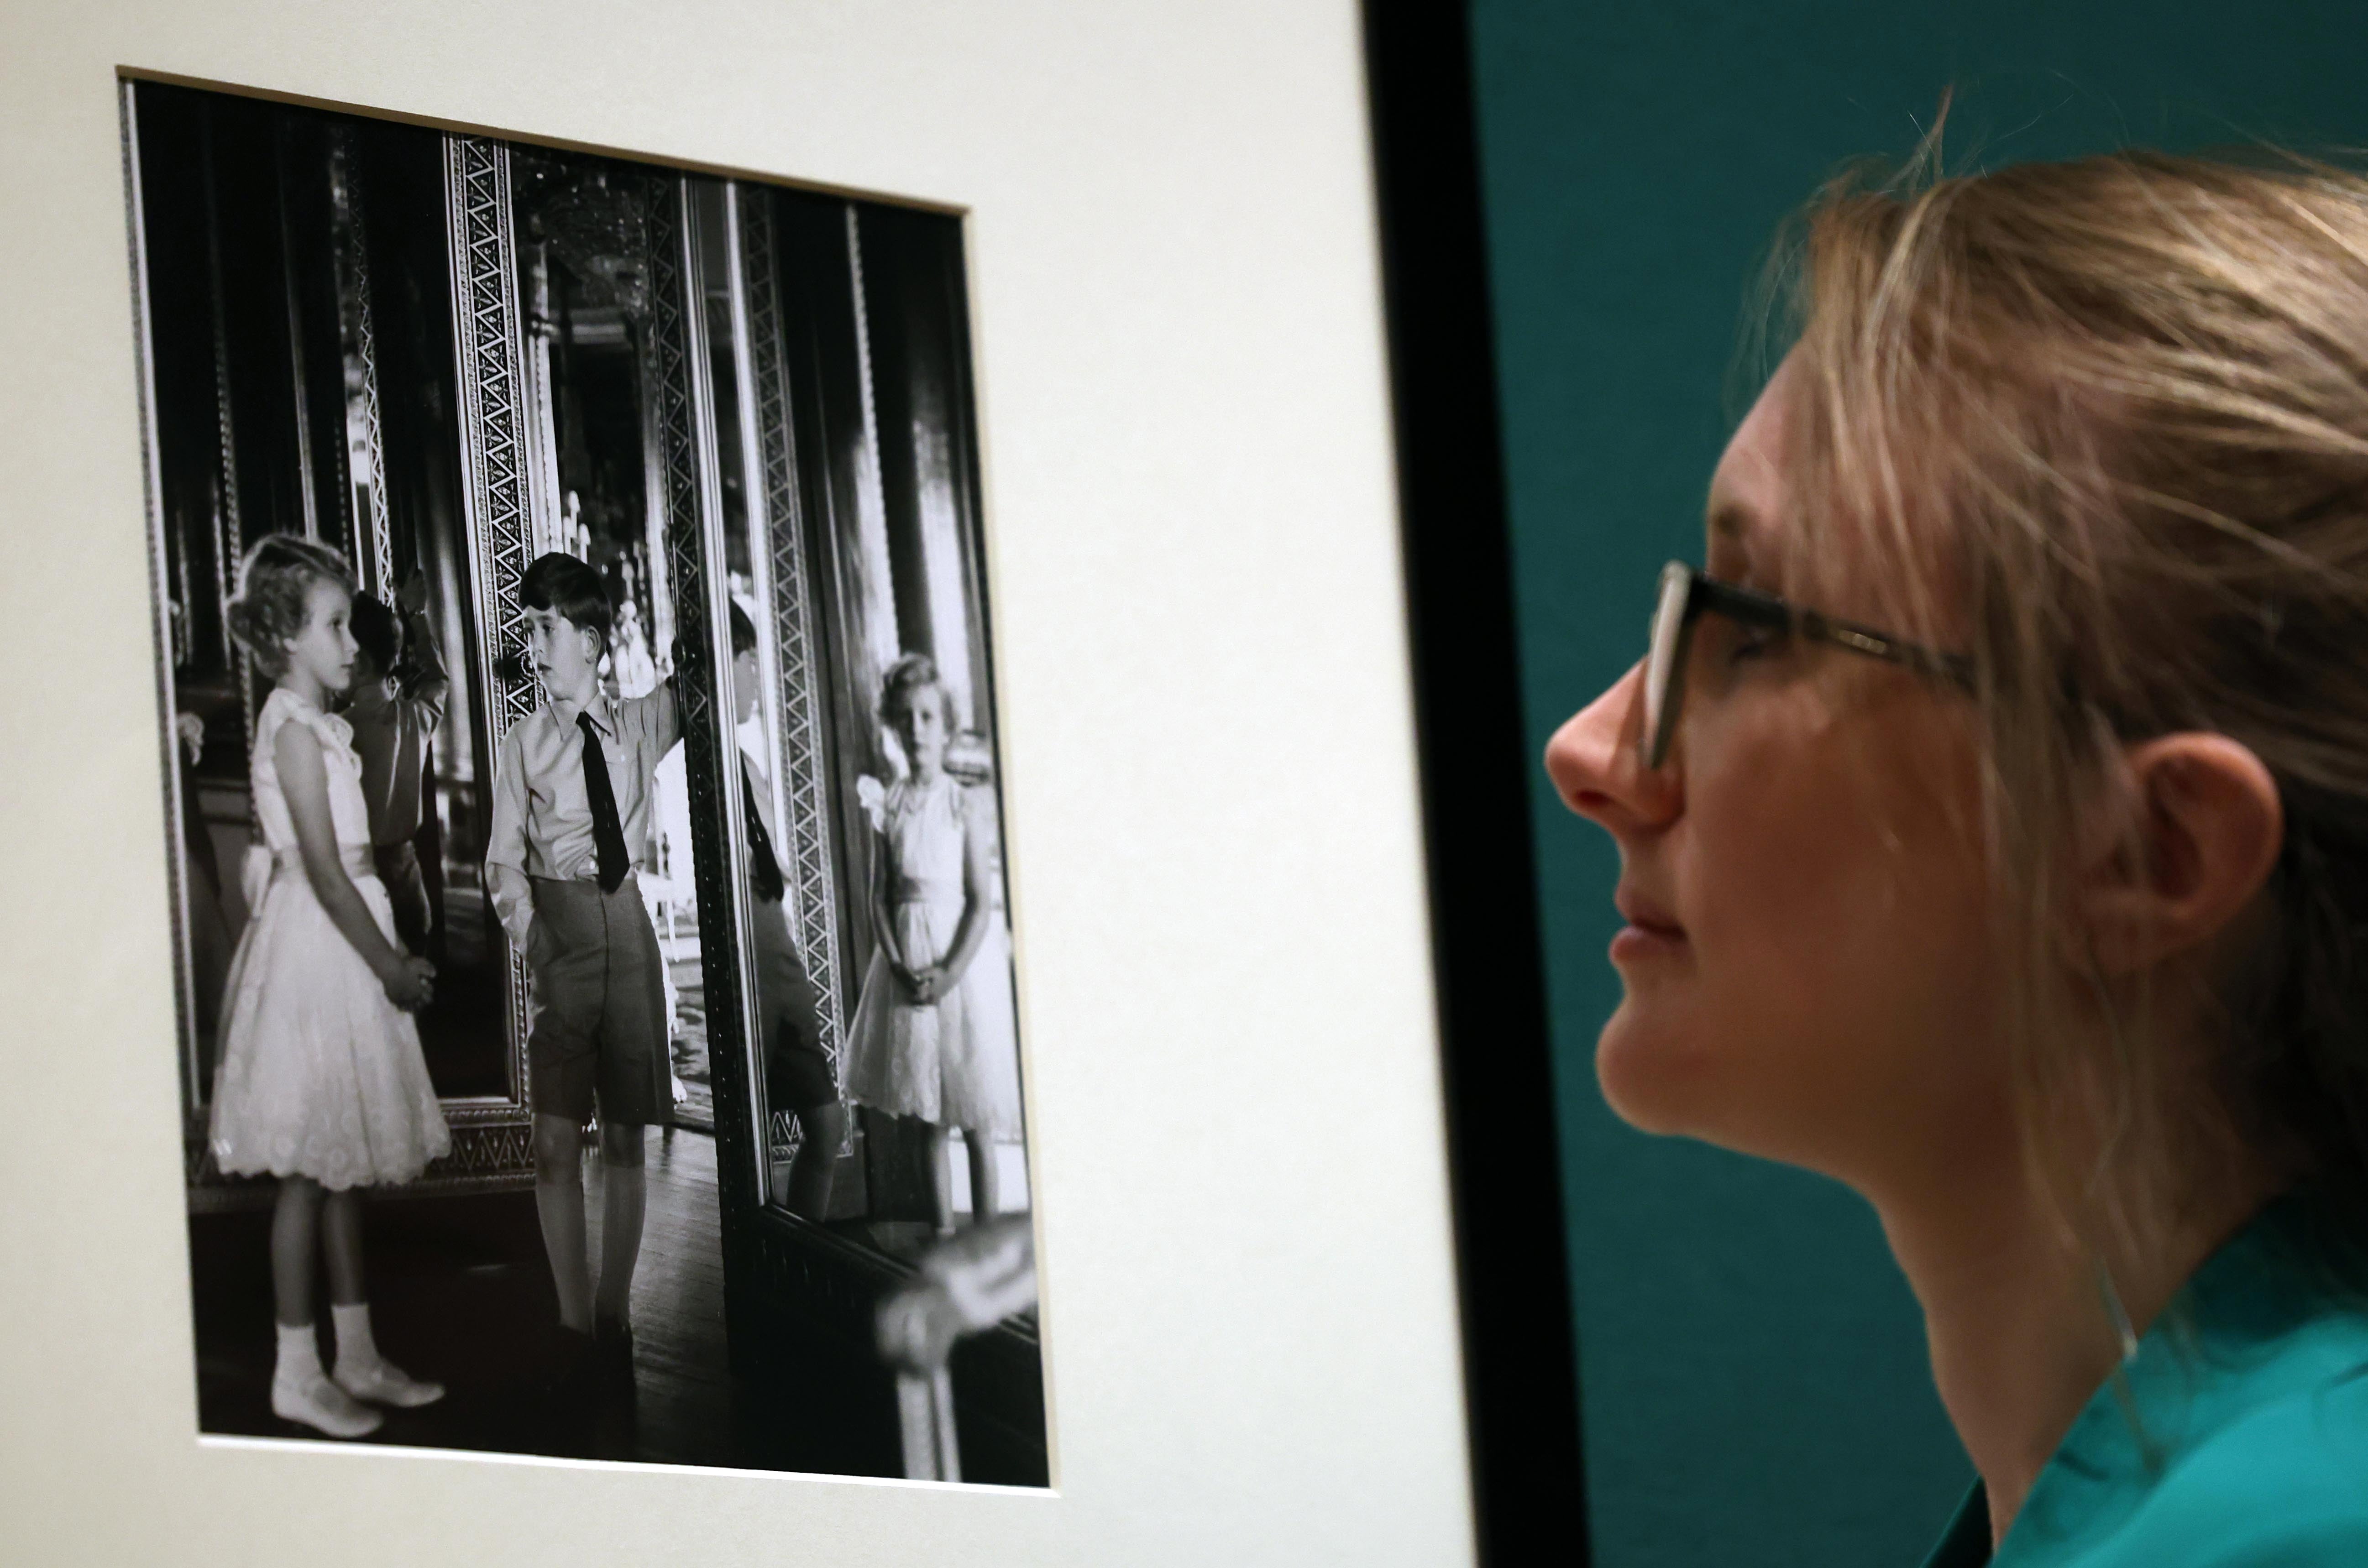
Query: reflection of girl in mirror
(322,1083)
(934,1035)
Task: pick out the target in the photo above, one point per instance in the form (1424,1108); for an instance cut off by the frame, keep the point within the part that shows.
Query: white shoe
(318,1402)
(386,1383)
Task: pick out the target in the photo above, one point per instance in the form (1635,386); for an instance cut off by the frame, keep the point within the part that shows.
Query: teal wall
(1752,1364)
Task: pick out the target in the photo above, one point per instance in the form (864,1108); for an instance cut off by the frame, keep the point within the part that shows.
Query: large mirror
(297,307)
(596,491)
(886,1053)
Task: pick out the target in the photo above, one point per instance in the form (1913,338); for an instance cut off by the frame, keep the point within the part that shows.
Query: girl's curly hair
(274,581)
(906,680)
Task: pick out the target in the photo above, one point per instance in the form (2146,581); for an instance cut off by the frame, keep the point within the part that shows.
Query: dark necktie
(607,833)
(764,867)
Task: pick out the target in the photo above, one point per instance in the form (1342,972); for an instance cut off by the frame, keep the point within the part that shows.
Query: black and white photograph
(600,1032)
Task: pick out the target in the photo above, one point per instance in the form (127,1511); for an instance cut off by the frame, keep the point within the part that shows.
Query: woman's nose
(1594,763)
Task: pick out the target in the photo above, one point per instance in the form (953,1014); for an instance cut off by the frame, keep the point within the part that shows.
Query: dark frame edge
(1519,1349)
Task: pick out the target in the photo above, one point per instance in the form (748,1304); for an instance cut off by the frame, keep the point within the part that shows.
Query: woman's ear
(2205,828)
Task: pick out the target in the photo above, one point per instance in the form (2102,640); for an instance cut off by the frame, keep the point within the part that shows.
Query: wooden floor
(461,1294)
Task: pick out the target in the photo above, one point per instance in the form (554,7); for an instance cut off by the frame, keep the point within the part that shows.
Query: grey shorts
(797,1073)
(599,1007)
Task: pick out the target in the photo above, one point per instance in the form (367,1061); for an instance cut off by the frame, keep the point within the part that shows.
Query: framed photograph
(720,754)
(743,414)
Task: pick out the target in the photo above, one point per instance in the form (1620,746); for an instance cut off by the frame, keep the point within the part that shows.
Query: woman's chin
(1684,1083)
(1652,1080)
(1662,1081)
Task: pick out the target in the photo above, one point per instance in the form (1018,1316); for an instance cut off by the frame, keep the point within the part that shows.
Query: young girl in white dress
(321,1082)
(934,1035)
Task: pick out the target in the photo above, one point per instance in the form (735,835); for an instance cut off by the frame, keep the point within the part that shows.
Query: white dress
(321,1074)
(955,1062)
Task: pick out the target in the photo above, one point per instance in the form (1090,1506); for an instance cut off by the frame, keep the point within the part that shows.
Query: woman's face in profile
(1807,959)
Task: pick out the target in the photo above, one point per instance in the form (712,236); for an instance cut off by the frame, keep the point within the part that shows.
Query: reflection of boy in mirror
(797,1075)
(573,795)
(397,703)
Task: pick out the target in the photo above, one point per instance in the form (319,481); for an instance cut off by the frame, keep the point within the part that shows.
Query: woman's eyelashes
(1735,647)
(1757,642)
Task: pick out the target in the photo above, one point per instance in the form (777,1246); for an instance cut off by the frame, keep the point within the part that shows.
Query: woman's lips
(1650,933)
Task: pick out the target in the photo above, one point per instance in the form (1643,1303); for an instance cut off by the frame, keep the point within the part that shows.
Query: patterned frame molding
(230,525)
(807,828)
(676,371)
(492,1136)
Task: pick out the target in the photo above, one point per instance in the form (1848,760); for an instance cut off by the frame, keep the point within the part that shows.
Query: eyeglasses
(1686,593)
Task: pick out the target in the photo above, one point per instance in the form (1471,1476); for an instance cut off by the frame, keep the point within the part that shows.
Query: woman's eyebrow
(1733,529)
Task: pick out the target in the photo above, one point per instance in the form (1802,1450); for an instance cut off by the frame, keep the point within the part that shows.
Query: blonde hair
(275,586)
(2108,420)
(903,685)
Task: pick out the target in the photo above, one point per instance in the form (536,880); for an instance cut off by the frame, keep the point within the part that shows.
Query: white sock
(356,1350)
(300,1355)
(299,1391)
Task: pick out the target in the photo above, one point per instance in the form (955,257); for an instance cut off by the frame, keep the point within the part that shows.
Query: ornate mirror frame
(775,517)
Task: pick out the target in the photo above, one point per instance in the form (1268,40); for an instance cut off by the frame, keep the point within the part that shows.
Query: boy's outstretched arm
(665,721)
(425,684)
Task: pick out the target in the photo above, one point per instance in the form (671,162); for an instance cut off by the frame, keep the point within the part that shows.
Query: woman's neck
(928,769)
(297,682)
(2014,1313)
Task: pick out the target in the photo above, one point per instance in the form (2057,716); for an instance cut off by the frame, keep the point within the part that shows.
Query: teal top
(2249,1443)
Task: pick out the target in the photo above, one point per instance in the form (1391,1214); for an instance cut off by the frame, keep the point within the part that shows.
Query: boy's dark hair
(377,629)
(574,588)
(744,631)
